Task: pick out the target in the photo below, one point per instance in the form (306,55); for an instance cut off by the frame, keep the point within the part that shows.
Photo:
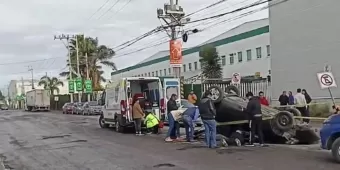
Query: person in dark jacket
(190,115)
(308,100)
(171,105)
(255,118)
(291,98)
(207,111)
(284,99)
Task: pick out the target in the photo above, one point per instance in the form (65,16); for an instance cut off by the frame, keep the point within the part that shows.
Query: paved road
(50,141)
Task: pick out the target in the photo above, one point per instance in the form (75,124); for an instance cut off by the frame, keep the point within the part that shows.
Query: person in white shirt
(301,104)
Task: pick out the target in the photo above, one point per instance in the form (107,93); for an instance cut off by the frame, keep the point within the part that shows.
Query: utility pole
(173,15)
(22,92)
(87,66)
(78,69)
(30,68)
(67,38)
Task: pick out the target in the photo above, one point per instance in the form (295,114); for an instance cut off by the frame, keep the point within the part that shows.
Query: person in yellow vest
(152,123)
(192,98)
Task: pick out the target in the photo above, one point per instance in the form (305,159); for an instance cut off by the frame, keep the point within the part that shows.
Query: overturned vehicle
(279,126)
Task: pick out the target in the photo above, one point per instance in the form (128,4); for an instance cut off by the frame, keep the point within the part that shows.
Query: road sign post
(71,86)
(79,84)
(236,78)
(327,81)
(88,86)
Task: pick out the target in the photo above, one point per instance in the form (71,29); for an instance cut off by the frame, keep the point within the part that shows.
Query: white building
(244,49)
(304,39)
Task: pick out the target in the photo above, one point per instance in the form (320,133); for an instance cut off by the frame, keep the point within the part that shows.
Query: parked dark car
(68,108)
(4,107)
(279,126)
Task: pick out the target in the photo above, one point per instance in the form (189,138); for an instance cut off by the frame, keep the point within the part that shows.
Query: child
(152,123)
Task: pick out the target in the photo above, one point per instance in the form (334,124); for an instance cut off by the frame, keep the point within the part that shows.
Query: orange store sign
(175,53)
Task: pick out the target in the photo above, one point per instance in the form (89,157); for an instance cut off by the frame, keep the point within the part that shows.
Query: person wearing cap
(255,118)
(207,111)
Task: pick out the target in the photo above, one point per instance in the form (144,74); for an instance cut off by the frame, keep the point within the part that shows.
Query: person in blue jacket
(189,117)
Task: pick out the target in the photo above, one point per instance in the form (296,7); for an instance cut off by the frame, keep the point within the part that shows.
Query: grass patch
(320,110)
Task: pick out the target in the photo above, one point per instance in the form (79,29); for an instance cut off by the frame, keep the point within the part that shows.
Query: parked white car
(92,108)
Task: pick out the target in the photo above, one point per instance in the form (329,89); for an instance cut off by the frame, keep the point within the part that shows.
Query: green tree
(210,62)
(2,97)
(51,83)
(98,56)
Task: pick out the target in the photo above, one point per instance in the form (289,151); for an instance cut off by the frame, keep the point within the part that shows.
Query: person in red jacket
(263,99)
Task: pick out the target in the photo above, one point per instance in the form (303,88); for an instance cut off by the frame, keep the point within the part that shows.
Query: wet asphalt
(53,141)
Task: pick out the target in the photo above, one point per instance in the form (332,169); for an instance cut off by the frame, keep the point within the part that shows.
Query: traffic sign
(326,80)
(79,84)
(71,86)
(88,86)
(236,78)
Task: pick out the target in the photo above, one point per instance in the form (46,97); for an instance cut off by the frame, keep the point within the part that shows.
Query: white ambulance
(118,97)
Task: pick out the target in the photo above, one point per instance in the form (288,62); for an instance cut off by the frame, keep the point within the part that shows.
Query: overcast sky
(28,26)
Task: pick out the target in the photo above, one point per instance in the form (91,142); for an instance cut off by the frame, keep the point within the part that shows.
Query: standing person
(208,113)
(263,99)
(255,119)
(301,104)
(192,98)
(189,117)
(284,99)
(171,105)
(308,100)
(137,114)
(291,98)
(152,123)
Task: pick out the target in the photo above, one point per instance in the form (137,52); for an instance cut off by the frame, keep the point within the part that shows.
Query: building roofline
(231,39)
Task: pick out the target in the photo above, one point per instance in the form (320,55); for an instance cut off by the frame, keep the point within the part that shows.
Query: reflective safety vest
(151,120)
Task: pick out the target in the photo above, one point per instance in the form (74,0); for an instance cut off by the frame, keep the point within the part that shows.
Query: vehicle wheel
(102,122)
(336,150)
(232,89)
(295,112)
(217,93)
(237,138)
(284,120)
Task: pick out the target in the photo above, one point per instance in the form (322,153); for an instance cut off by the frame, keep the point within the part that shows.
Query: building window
(195,65)
(156,73)
(268,50)
(184,68)
(153,74)
(223,60)
(231,58)
(149,74)
(248,55)
(239,56)
(164,72)
(169,69)
(160,72)
(258,52)
(190,67)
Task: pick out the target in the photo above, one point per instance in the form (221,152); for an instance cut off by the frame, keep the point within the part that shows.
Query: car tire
(217,93)
(295,112)
(232,89)
(237,138)
(102,123)
(336,150)
(284,121)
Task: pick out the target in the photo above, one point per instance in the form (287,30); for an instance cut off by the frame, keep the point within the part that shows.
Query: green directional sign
(79,84)
(88,86)
(71,86)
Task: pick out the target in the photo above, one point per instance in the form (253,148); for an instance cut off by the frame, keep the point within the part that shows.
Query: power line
(230,12)
(30,61)
(120,9)
(100,8)
(207,7)
(108,10)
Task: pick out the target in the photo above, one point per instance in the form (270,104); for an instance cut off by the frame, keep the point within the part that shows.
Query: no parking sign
(236,78)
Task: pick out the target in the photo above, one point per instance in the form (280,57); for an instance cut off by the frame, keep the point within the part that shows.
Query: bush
(320,110)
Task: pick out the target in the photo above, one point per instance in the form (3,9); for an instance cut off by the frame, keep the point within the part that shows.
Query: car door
(170,86)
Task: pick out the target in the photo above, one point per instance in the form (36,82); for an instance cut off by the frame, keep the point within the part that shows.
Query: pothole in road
(164,165)
(55,136)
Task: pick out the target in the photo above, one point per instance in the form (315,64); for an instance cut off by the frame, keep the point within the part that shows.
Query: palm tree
(98,56)
(51,83)
(210,62)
